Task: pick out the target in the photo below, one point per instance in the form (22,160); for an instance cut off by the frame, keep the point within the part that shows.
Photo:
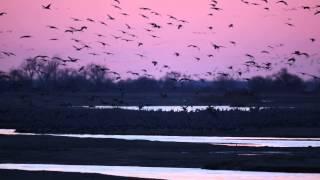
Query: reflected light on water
(8,132)
(227,141)
(163,173)
(171,108)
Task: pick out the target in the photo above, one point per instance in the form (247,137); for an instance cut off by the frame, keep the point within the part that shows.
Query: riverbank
(112,152)
(41,175)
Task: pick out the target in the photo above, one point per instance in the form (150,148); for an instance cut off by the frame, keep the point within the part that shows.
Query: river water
(163,172)
(214,140)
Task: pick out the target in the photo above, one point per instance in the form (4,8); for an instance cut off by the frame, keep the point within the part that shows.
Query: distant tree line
(34,75)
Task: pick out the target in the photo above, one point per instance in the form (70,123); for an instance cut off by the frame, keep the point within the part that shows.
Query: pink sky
(254,30)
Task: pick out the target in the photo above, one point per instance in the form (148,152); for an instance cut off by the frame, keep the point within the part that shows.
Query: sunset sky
(255,29)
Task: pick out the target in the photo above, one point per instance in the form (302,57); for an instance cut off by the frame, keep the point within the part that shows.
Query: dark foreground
(54,113)
(42,175)
(109,152)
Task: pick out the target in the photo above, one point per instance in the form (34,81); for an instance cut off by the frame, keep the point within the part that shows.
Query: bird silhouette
(90,20)
(290,24)
(110,17)
(69,31)
(233,43)
(282,2)
(103,43)
(217,47)
(197,58)
(116,7)
(145,9)
(8,53)
(103,23)
(72,59)
(47,7)
(76,19)
(291,60)
(298,53)
(41,57)
(144,16)
(52,27)
(77,48)
(194,46)
(108,53)
(81,69)
(25,37)
(82,29)
(250,56)
(140,55)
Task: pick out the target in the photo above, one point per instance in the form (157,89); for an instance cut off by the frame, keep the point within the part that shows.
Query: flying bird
(52,27)
(25,37)
(103,43)
(217,47)
(48,7)
(72,59)
(110,17)
(298,53)
(233,43)
(282,2)
(194,46)
(82,28)
(140,55)
(108,53)
(250,56)
(8,53)
(81,68)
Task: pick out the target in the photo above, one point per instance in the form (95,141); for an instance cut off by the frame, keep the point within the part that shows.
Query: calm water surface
(164,173)
(230,141)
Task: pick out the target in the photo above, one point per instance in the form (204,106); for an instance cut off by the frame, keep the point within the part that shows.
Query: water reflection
(170,108)
(228,141)
(179,108)
(163,173)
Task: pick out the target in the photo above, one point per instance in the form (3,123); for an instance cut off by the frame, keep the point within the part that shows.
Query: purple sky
(255,29)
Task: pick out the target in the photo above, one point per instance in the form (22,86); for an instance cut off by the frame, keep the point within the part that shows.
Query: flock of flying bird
(127,35)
